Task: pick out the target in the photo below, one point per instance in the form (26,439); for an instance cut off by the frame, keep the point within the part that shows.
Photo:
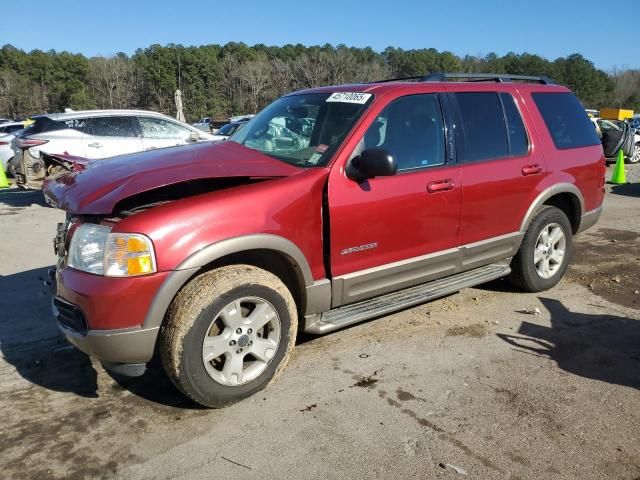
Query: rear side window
(76,124)
(516,134)
(484,127)
(42,125)
(111,127)
(566,120)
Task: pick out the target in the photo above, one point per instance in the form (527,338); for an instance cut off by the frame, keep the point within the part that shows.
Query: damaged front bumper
(104,317)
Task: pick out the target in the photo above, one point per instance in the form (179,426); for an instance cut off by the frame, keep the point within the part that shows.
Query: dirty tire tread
(190,302)
(523,274)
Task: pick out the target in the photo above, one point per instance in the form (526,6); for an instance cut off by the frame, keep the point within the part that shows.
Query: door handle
(95,145)
(440,186)
(531,170)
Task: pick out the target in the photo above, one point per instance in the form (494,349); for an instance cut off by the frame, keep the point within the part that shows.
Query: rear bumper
(589,219)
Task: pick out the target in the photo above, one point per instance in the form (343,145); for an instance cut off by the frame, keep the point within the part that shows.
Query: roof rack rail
(483,77)
(398,79)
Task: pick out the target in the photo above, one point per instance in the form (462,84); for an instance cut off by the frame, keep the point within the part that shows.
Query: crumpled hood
(98,188)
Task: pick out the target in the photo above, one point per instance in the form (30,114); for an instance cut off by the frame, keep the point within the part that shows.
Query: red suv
(332,206)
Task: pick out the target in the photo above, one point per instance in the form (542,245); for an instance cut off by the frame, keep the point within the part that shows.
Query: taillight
(4,143)
(29,142)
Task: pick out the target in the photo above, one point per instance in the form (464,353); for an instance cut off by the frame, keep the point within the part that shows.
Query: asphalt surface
(468,386)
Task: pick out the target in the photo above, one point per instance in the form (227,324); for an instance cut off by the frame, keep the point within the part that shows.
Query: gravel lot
(466,386)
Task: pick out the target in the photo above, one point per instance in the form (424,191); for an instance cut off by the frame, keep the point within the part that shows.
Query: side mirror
(373,162)
(195,137)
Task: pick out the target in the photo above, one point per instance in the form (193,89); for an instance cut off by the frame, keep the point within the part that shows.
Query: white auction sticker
(349,97)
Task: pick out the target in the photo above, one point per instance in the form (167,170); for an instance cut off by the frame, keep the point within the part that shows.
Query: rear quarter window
(566,120)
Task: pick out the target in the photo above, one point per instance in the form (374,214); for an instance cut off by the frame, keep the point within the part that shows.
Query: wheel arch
(565,196)
(270,252)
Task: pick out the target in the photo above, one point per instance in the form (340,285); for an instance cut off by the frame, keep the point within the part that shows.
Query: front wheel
(545,252)
(228,334)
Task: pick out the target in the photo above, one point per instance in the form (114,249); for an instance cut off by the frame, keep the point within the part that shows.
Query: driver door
(389,233)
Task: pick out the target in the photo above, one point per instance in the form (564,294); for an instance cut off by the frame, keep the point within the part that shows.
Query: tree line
(224,80)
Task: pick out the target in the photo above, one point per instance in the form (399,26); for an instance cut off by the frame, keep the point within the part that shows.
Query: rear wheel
(228,334)
(545,251)
(11,168)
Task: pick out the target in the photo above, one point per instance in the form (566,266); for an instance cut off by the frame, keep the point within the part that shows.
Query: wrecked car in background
(93,134)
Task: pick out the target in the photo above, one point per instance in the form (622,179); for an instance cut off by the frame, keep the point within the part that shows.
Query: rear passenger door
(502,172)
(159,133)
(110,136)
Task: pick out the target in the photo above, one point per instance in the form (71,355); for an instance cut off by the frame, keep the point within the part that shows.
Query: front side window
(304,130)
(111,127)
(162,129)
(411,128)
(227,129)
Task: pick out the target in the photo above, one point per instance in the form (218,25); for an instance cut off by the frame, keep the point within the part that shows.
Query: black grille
(69,315)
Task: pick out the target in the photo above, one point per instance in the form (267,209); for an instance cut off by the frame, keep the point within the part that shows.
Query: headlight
(94,249)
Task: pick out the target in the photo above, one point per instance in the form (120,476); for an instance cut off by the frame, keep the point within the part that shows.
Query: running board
(357,312)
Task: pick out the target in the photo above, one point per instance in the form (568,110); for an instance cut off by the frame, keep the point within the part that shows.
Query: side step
(357,312)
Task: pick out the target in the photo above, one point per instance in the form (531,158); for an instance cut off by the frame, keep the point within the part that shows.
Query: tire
(11,168)
(205,310)
(532,276)
(635,154)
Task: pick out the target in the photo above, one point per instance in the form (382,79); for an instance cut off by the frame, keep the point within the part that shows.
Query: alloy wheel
(550,250)
(241,341)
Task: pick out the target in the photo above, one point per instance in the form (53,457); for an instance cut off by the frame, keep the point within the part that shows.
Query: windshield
(304,130)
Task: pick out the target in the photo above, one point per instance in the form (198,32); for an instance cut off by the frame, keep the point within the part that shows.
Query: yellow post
(3,178)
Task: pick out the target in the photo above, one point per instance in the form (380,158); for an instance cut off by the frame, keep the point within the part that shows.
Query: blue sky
(550,28)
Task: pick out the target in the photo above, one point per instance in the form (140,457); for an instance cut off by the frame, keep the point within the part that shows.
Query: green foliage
(236,78)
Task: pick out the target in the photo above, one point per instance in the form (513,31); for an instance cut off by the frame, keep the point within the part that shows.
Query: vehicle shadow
(18,198)
(31,342)
(600,347)
(627,190)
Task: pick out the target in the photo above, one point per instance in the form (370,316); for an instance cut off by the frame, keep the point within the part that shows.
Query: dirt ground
(468,386)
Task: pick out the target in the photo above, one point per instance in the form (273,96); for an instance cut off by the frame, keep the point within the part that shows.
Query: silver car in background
(94,134)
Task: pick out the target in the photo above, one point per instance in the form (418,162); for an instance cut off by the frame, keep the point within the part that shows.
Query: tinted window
(111,127)
(11,128)
(159,128)
(518,140)
(227,129)
(566,120)
(483,125)
(411,129)
(42,125)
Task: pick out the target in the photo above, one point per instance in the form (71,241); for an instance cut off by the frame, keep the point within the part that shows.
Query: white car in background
(94,134)
(7,132)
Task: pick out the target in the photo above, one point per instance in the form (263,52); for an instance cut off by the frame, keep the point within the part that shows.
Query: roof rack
(473,77)
(483,77)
